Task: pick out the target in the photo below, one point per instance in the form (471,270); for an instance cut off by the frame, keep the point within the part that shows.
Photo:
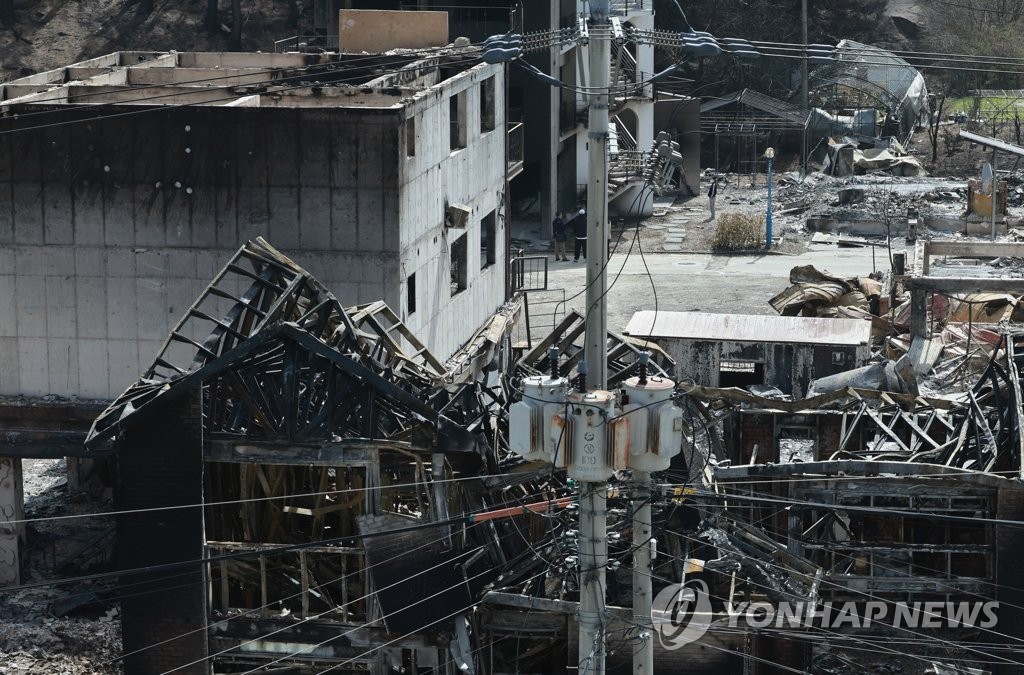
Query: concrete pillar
(12,509)
(547,123)
(918,313)
(644,53)
(644,109)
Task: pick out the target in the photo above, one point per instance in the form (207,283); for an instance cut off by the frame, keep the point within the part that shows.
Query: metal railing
(307,44)
(631,162)
(624,60)
(626,141)
(516,141)
(529,273)
(618,7)
(542,312)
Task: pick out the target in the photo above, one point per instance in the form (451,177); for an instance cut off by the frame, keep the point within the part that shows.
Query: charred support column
(919,313)
(12,509)
(163,618)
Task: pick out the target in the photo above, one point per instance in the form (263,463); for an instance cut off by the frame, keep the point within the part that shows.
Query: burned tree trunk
(236,25)
(293,13)
(212,16)
(933,126)
(7,12)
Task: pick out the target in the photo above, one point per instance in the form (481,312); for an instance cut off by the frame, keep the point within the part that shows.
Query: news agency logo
(681,614)
(831,616)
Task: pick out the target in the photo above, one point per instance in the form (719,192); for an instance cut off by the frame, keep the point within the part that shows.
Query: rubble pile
(871,197)
(69,629)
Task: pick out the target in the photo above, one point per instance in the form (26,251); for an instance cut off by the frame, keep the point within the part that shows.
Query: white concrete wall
(101,254)
(473,176)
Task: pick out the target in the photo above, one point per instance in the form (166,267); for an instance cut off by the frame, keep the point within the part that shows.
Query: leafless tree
(933,125)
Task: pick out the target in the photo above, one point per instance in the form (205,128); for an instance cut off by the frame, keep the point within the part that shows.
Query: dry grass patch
(739,232)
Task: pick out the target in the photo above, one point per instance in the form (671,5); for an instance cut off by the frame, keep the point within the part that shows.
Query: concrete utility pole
(804,95)
(599,48)
(593,539)
(643,648)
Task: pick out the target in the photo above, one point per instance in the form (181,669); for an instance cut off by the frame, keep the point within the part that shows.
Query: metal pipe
(995,191)
(770,154)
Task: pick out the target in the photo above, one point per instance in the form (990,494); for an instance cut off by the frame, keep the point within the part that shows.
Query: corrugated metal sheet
(750,328)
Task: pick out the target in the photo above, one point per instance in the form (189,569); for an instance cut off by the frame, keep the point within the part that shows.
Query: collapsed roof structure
(358,506)
(324,468)
(865,76)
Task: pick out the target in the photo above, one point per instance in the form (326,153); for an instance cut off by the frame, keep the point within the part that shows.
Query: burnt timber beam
(961,285)
(502,599)
(45,430)
(343,453)
(859,468)
(343,640)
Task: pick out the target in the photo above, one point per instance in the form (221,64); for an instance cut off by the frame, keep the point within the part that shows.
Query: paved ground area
(740,284)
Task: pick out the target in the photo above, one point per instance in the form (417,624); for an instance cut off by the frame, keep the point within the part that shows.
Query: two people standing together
(577,227)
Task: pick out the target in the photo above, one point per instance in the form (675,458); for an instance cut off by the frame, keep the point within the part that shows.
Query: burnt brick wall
(160,464)
(830,429)
(756,429)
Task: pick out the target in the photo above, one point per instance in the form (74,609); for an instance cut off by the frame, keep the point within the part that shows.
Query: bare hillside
(51,33)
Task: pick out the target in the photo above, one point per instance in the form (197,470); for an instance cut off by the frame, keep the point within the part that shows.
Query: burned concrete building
(379,169)
(125,181)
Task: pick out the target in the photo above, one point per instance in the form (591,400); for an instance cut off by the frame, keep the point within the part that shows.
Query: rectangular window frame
(488,114)
(457,121)
(488,240)
(458,259)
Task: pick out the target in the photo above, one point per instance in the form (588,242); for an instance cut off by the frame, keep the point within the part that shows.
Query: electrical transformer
(655,423)
(537,423)
(598,435)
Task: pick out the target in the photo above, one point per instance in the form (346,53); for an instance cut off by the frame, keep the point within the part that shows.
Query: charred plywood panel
(743,351)
(696,361)
(419,582)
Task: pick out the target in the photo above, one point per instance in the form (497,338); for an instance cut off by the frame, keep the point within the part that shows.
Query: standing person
(558,229)
(579,228)
(712,193)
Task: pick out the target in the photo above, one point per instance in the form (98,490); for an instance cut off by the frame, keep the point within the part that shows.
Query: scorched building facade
(127,180)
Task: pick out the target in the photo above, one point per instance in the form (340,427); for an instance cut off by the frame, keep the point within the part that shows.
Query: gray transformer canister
(598,436)
(655,424)
(537,430)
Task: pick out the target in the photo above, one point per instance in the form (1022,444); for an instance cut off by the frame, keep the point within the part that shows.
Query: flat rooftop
(749,328)
(235,79)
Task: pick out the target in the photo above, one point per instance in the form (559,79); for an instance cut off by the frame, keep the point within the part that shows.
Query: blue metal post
(768,218)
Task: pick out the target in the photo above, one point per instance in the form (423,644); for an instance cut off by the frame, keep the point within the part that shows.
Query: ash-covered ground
(70,628)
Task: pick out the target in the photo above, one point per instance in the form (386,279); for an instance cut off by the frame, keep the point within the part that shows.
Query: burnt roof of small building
(750,328)
(233,79)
